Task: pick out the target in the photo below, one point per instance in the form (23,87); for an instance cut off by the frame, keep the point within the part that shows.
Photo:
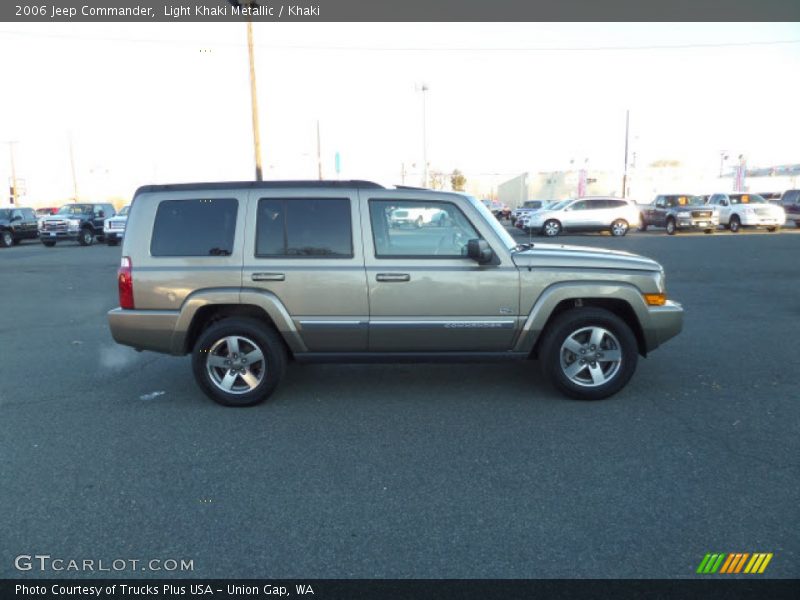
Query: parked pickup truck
(679,211)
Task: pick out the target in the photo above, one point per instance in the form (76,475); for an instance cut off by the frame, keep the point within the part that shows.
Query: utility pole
(424,89)
(403,173)
(319,154)
(254,100)
(625,170)
(723,156)
(14,194)
(72,167)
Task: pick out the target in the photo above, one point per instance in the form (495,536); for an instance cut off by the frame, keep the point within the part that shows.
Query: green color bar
(703,564)
(718,563)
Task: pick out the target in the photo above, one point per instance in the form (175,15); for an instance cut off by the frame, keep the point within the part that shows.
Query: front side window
(304,228)
(201,227)
(413,228)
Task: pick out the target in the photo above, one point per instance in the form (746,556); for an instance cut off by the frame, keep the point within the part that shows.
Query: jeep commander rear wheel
(238,361)
(588,353)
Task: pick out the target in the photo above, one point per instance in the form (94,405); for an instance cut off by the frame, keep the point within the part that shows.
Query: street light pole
(72,167)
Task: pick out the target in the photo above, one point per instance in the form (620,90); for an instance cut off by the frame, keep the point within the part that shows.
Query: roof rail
(410,187)
(259,185)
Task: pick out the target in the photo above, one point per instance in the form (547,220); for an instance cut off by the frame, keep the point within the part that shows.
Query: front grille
(701,214)
(763,212)
(116,225)
(55,226)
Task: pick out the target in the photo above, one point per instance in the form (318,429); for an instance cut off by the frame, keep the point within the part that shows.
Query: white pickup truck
(747,210)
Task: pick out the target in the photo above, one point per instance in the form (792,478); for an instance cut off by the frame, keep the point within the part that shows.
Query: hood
(118,218)
(557,255)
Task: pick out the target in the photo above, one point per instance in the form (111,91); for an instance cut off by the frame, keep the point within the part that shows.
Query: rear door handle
(268,276)
(393,277)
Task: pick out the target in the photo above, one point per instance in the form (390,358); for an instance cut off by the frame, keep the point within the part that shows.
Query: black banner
(392,10)
(394,589)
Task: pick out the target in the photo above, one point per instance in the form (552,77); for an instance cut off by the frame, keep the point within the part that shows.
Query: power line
(406,48)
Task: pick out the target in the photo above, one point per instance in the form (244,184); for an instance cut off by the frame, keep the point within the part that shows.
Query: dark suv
(790,201)
(77,222)
(17,224)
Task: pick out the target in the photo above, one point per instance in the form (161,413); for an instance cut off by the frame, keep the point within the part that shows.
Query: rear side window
(304,228)
(201,227)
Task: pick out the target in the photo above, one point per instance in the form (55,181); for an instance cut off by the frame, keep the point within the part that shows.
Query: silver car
(595,213)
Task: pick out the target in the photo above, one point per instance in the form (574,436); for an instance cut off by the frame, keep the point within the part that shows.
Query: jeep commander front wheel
(588,353)
(239,361)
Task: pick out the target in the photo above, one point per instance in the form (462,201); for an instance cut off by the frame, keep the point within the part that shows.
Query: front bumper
(55,236)
(761,221)
(664,323)
(114,234)
(697,223)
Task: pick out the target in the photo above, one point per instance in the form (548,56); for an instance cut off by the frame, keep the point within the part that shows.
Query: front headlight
(73,223)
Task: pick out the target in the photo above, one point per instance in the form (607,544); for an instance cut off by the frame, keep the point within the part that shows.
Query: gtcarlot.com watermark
(45,563)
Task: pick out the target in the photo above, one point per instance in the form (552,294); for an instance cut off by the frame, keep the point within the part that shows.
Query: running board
(408,357)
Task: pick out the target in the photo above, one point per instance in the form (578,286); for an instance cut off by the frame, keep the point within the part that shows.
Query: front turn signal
(655,299)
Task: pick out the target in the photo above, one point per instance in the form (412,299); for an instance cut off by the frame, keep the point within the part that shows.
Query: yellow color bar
(754,562)
(765,563)
(655,299)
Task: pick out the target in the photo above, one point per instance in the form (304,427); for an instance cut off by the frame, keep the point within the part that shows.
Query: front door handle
(268,276)
(393,277)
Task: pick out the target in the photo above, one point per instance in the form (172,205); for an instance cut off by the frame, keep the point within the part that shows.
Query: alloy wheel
(590,356)
(236,365)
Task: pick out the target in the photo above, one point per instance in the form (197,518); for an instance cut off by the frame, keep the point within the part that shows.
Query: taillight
(125,281)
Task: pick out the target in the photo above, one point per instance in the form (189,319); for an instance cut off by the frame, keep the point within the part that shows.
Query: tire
(735,224)
(251,335)
(86,237)
(578,325)
(49,244)
(642,223)
(418,223)
(619,228)
(672,229)
(708,231)
(551,228)
(772,229)
(6,239)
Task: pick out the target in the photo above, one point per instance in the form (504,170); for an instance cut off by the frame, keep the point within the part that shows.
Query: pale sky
(170,102)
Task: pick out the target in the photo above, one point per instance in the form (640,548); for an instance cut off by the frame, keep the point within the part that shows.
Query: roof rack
(409,187)
(259,185)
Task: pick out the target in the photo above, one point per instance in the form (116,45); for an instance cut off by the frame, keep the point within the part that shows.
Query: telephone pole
(625,171)
(424,89)
(14,194)
(319,154)
(254,99)
(72,167)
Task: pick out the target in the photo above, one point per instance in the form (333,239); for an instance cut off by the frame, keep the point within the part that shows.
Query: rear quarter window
(194,227)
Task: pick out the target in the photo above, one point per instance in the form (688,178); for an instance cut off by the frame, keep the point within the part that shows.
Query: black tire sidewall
(268,341)
(734,224)
(82,237)
(627,226)
(568,322)
(4,236)
(673,229)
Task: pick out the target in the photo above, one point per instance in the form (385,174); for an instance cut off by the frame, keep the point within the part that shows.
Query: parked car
(593,213)
(527,206)
(747,210)
(77,222)
(677,212)
(114,227)
(243,276)
(17,224)
(790,201)
(414,216)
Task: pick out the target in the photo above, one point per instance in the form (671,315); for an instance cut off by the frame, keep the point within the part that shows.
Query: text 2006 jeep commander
(245,276)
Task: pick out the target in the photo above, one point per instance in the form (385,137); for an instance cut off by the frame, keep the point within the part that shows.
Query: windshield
(747,199)
(559,205)
(75,209)
(124,211)
(504,236)
(5,213)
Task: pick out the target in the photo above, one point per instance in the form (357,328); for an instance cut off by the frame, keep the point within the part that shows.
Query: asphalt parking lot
(421,471)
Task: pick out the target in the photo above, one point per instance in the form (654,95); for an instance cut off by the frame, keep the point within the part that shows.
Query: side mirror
(479,251)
